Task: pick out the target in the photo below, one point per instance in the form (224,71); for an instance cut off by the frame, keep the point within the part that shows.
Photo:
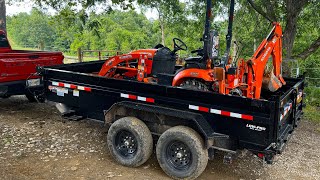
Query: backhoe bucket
(271,82)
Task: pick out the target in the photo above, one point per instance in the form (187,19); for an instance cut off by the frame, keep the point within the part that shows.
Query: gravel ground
(36,143)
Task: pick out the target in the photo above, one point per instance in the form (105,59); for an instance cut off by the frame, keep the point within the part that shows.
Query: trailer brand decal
(256,128)
(139,98)
(72,86)
(287,108)
(221,112)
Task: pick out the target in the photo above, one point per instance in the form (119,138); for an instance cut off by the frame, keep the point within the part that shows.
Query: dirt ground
(36,143)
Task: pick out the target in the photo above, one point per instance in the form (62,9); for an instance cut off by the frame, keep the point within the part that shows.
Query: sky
(26,6)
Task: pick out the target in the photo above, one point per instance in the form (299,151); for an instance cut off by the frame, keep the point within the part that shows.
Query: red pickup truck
(18,69)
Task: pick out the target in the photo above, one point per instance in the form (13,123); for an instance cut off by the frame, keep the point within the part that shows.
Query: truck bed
(228,123)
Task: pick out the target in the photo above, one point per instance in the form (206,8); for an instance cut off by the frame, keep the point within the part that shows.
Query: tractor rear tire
(181,153)
(130,141)
(194,84)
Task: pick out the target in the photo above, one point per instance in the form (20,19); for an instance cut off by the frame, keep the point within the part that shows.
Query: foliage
(312,114)
(72,28)
(313,96)
(32,30)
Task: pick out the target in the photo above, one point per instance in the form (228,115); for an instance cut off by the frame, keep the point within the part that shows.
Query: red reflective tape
(150,100)
(203,109)
(225,113)
(87,89)
(72,86)
(132,97)
(61,84)
(247,117)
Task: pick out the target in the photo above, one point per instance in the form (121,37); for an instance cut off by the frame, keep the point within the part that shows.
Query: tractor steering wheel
(179,45)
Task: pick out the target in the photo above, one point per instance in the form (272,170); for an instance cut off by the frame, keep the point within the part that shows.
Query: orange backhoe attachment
(272,45)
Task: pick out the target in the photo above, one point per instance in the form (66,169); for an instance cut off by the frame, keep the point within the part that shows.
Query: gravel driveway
(36,143)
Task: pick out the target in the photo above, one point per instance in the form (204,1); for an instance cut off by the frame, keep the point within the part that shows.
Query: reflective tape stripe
(67,85)
(142,98)
(203,109)
(236,115)
(194,107)
(132,97)
(215,111)
(221,112)
(139,98)
(81,88)
(71,86)
(286,109)
(55,84)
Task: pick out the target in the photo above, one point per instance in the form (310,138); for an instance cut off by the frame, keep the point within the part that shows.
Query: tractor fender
(204,74)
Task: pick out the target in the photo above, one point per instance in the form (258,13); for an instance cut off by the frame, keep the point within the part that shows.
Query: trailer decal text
(255,128)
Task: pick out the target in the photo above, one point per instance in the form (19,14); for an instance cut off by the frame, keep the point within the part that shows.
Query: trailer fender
(197,121)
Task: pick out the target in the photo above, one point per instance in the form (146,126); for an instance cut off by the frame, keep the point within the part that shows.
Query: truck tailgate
(18,65)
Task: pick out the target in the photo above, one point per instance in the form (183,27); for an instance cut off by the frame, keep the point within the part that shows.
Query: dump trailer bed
(226,123)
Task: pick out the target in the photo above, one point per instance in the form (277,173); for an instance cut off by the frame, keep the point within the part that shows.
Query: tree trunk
(293,9)
(162,33)
(161,21)
(2,15)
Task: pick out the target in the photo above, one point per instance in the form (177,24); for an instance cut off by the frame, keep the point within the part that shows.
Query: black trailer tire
(181,153)
(130,141)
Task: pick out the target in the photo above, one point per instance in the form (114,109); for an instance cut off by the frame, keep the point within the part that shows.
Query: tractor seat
(194,62)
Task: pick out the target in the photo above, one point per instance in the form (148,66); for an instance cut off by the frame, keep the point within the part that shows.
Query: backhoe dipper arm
(272,45)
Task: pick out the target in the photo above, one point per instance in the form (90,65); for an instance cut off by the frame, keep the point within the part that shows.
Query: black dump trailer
(187,126)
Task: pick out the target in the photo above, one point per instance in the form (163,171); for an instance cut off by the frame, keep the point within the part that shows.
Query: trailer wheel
(130,141)
(181,153)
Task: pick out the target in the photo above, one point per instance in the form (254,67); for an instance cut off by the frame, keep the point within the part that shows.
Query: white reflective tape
(124,95)
(286,110)
(67,85)
(194,107)
(81,88)
(55,83)
(215,111)
(236,115)
(142,98)
(281,117)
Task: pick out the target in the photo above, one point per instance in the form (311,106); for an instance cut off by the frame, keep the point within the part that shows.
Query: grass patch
(312,113)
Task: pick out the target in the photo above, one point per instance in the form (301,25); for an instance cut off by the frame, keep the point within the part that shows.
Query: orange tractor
(206,72)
